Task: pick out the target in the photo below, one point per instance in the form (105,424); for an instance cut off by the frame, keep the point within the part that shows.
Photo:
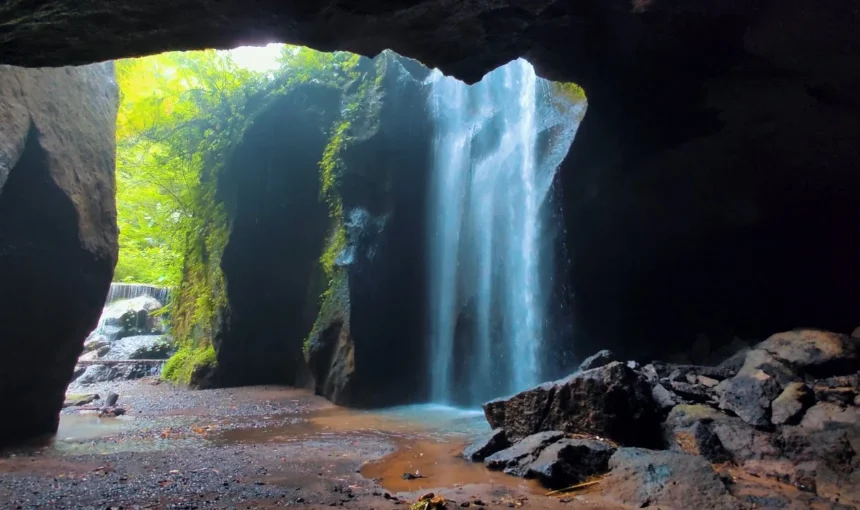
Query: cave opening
(705,204)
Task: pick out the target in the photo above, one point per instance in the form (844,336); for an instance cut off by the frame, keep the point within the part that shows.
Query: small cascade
(120,291)
(493,170)
(127,309)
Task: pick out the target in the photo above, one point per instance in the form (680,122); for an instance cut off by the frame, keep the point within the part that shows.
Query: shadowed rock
(570,461)
(58,233)
(788,407)
(653,478)
(486,445)
(612,401)
(598,360)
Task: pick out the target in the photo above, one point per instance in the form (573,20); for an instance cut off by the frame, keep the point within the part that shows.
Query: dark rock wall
(710,184)
(58,233)
(377,358)
(278,226)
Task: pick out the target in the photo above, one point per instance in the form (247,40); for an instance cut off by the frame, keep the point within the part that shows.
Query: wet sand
(260,447)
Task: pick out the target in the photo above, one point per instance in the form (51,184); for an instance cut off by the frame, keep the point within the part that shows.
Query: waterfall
(487,307)
(121,291)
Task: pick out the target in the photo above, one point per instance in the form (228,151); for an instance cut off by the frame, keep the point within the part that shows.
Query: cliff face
(370,329)
(278,225)
(325,199)
(58,234)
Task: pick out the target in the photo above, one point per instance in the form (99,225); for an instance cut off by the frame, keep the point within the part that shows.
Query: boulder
(95,342)
(820,353)
(140,347)
(825,415)
(842,390)
(488,444)
(513,460)
(646,478)
(612,402)
(663,398)
(105,373)
(133,316)
(598,360)
(789,406)
(749,396)
(570,461)
(750,393)
(690,429)
(703,430)
(82,399)
(822,460)
(58,232)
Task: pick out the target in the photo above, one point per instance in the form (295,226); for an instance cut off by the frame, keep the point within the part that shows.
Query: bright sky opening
(257,58)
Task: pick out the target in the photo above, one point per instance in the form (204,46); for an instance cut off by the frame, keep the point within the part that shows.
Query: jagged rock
(570,461)
(486,445)
(673,372)
(822,459)
(788,407)
(815,352)
(133,317)
(663,398)
(749,396)
(641,478)
(692,392)
(649,372)
(693,428)
(602,358)
(514,459)
(743,441)
(749,393)
(824,414)
(690,429)
(601,402)
(58,232)
(837,390)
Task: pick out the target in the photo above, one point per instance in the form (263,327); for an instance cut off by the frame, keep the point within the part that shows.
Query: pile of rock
(689,436)
(129,329)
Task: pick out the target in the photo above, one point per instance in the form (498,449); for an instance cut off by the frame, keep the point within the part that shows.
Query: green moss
(181,366)
(571,91)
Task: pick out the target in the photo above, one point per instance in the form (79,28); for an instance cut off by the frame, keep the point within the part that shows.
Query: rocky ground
(261,447)
(775,426)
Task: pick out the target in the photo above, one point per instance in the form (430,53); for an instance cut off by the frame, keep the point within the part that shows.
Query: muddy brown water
(426,442)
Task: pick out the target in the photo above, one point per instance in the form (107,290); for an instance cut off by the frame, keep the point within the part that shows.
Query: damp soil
(258,447)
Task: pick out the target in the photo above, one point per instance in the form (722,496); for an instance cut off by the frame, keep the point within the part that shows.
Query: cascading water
(490,180)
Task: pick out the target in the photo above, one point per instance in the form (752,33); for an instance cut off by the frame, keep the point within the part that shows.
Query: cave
(705,202)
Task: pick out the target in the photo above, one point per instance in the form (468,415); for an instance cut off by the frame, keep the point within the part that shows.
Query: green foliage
(569,90)
(181,114)
(360,112)
(569,97)
(181,366)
